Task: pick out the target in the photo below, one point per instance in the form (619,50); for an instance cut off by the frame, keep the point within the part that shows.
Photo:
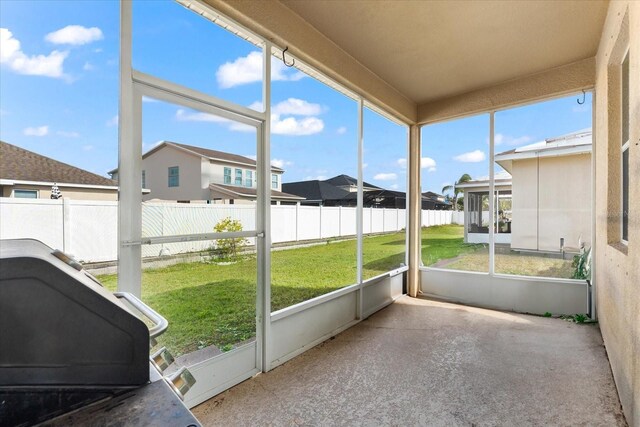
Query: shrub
(227,249)
(582,265)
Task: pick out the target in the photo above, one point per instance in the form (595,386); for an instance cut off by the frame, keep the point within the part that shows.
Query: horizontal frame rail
(157,240)
(171,92)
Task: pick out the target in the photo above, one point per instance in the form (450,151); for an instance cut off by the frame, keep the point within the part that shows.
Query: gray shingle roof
(315,190)
(23,165)
(220,155)
(341,180)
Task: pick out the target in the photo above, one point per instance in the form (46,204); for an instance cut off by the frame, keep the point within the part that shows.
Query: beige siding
(564,199)
(524,225)
(156,167)
(617,274)
(74,193)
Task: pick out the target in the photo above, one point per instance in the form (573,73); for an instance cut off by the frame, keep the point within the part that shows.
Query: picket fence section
(88,229)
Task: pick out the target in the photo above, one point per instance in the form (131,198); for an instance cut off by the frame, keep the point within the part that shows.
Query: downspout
(413,279)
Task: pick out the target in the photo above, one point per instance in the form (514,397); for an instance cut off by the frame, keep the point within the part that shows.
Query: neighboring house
(341,190)
(544,197)
(25,174)
(185,173)
(435,201)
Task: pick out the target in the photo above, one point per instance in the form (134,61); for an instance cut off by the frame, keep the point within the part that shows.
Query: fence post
(339,221)
(66,225)
(297,219)
(320,210)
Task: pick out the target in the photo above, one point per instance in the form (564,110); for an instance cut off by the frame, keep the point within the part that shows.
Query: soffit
(432,50)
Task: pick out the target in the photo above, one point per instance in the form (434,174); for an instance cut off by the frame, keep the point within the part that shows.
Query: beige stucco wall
(524,204)
(617,273)
(564,198)
(74,193)
(156,167)
(540,86)
(551,200)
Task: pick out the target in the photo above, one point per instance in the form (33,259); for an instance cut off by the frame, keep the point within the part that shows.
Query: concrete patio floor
(423,362)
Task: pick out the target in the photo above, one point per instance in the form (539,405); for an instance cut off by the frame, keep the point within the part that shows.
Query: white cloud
(425,163)
(364,165)
(280,163)
(12,55)
(75,35)
(87,147)
(36,131)
(470,157)
(385,177)
(393,186)
(87,66)
(113,121)
(341,130)
(296,127)
(279,126)
(68,134)
(297,107)
(248,69)
(147,99)
(500,139)
(318,177)
(432,169)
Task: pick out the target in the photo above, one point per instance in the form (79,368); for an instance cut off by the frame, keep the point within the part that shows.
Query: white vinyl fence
(88,229)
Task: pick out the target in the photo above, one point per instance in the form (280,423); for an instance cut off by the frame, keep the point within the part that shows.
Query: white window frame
(274,181)
(237,181)
(625,144)
(26,190)
(177,176)
(248,178)
(225,176)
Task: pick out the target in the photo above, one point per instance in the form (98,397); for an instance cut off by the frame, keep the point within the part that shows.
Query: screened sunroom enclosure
(274,333)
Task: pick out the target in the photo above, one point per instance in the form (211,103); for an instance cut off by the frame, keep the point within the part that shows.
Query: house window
(274,181)
(238,177)
(174,176)
(248,181)
(625,149)
(227,176)
(144,179)
(25,194)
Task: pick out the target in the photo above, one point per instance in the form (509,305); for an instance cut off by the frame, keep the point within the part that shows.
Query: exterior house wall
(524,204)
(617,267)
(196,173)
(564,197)
(74,193)
(156,167)
(551,199)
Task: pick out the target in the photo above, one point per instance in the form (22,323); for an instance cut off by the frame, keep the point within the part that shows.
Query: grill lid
(61,328)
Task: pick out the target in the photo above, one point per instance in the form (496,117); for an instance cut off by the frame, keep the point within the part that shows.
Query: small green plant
(575,318)
(582,265)
(226,347)
(227,249)
(579,318)
(547,314)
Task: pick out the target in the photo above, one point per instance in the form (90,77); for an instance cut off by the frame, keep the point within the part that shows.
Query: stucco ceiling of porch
(429,50)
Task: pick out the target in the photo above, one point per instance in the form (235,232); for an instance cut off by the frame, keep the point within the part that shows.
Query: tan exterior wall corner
(274,21)
(617,268)
(555,82)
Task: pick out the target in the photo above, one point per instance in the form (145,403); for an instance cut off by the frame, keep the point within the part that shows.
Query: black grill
(68,344)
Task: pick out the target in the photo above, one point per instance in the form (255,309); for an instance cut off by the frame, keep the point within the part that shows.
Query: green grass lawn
(207,303)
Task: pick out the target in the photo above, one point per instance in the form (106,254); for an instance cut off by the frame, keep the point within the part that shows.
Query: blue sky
(59,97)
